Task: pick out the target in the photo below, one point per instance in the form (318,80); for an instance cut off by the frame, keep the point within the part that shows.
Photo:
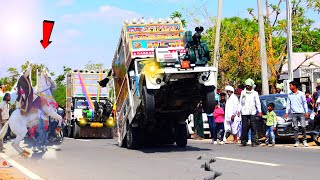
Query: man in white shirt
(4,114)
(248,108)
(232,106)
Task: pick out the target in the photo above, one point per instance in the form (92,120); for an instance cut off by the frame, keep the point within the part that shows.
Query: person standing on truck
(297,106)
(198,122)
(248,108)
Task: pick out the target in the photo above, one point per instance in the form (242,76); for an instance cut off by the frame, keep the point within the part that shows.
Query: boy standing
(297,106)
(271,125)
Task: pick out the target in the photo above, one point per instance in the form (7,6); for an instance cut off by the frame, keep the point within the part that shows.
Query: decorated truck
(160,74)
(88,108)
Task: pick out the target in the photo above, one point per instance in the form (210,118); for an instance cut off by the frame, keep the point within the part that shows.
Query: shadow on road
(170,148)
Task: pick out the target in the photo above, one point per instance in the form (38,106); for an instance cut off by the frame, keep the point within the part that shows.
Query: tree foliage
(305,39)
(239,50)
(179,15)
(93,66)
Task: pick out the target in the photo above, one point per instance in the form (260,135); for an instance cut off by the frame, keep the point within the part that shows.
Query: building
(306,69)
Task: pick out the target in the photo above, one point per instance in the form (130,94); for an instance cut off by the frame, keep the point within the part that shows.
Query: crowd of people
(237,112)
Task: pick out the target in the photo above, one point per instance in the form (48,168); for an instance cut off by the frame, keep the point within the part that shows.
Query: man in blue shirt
(297,106)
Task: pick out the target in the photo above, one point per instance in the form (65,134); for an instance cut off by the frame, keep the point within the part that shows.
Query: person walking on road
(271,125)
(4,116)
(297,106)
(249,106)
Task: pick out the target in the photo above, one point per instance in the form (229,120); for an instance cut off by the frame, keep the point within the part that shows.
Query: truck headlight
(82,121)
(150,69)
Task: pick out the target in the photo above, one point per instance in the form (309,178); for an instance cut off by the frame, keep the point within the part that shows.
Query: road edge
(22,169)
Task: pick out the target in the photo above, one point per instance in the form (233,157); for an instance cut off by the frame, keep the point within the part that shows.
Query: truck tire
(76,131)
(70,131)
(148,104)
(209,100)
(181,135)
(132,137)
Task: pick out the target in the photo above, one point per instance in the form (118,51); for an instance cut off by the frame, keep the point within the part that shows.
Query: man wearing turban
(248,108)
(279,89)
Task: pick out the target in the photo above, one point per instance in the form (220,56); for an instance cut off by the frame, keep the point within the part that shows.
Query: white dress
(232,106)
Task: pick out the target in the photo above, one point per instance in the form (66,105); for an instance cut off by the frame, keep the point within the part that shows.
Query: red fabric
(32,131)
(218,115)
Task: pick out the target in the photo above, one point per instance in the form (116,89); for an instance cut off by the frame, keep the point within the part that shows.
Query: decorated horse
(20,122)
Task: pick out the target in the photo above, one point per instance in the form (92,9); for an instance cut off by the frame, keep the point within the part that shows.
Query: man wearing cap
(249,106)
(279,88)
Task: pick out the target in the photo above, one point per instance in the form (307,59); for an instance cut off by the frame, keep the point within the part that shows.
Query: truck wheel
(132,137)
(209,100)
(70,131)
(148,103)
(188,133)
(76,131)
(181,135)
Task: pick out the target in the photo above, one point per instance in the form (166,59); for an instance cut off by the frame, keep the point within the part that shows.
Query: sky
(86,30)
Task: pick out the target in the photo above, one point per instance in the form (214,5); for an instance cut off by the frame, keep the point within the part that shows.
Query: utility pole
(216,55)
(289,41)
(263,54)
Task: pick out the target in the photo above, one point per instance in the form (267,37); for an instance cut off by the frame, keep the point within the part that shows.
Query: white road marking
(24,170)
(248,161)
(84,140)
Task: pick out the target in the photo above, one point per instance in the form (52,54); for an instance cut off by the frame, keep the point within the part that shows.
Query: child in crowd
(271,125)
(218,114)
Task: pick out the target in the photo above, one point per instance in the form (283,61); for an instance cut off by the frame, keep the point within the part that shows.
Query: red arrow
(47,30)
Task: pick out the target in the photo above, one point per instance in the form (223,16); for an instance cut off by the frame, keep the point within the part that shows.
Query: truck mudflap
(89,132)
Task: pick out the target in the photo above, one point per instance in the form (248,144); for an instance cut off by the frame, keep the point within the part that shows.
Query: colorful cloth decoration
(85,92)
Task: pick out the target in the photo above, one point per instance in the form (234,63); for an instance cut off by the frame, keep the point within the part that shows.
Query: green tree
(60,95)
(239,50)
(304,38)
(179,15)
(93,66)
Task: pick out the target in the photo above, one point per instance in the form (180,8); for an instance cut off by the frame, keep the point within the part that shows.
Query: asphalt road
(102,159)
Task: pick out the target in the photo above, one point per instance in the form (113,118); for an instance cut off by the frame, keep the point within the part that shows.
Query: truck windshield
(82,104)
